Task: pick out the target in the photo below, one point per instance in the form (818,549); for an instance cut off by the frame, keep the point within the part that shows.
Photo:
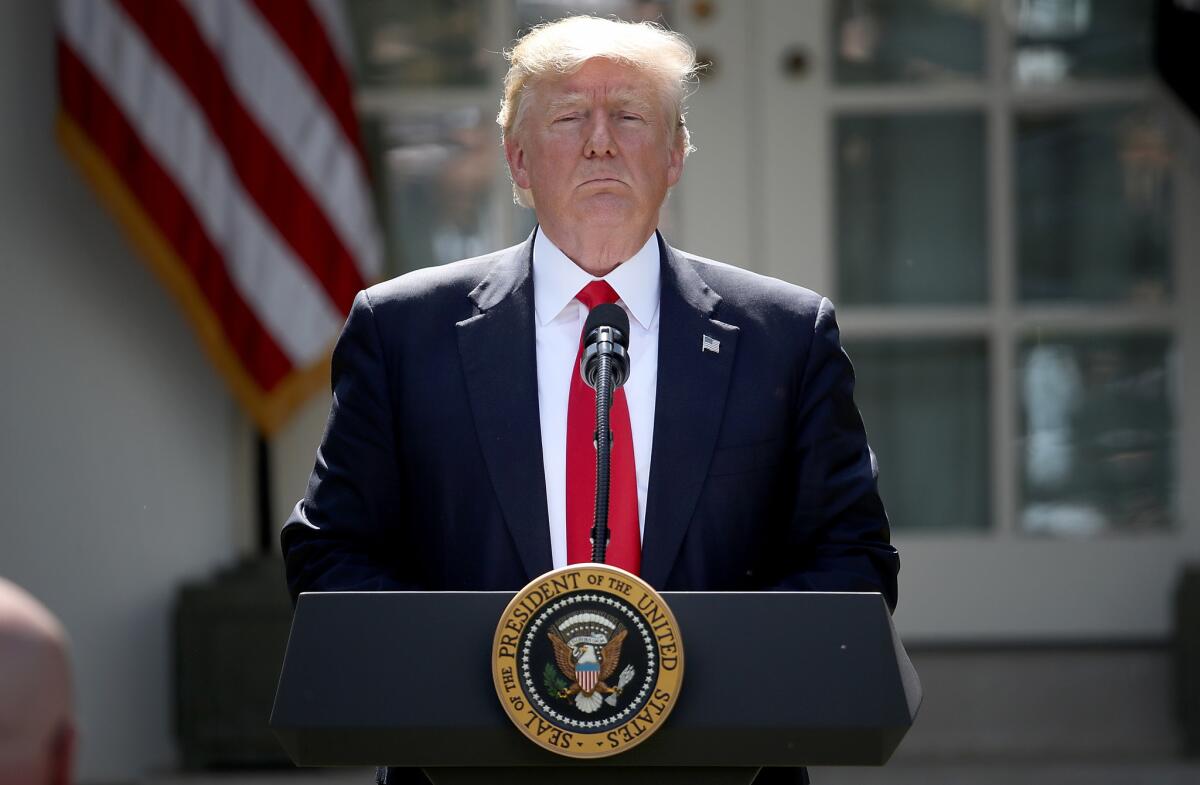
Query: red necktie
(625,542)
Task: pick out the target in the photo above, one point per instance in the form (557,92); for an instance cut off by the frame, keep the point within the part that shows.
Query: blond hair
(562,47)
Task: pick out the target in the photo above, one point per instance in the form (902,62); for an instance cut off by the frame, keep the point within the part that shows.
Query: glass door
(991,194)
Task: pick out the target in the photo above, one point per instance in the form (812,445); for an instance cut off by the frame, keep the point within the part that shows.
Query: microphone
(606,333)
(604,367)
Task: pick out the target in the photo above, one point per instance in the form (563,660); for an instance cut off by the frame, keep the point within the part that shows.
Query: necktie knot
(596,293)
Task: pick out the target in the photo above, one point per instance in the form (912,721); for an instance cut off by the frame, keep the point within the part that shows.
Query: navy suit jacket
(430,473)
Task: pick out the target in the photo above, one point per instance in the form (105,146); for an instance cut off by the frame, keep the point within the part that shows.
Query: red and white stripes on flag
(587,680)
(222,135)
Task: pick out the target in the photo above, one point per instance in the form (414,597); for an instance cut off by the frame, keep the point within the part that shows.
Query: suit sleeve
(343,534)
(838,528)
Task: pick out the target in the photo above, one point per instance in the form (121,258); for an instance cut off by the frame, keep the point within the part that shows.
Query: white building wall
(123,461)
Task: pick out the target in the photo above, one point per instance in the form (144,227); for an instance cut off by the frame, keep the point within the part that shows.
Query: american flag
(221,133)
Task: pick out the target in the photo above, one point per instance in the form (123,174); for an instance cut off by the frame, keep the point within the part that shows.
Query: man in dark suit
(430,475)
(740,460)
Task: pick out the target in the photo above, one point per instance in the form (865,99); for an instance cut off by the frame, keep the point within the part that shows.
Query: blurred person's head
(37,732)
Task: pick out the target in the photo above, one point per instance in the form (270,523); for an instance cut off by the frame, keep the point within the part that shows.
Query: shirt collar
(557,280)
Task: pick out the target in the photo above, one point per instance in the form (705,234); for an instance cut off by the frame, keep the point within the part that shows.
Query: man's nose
(600,142)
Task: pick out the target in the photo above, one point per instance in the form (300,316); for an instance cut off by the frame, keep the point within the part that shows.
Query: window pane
(907,40)
(420,43)
(925,405)
(911,220)
(1057,40)
(1097,433)
(439,171)
(1093,206)
(533,12)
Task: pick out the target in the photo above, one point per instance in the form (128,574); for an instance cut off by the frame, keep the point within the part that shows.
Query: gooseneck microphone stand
(604,367)
(604,393)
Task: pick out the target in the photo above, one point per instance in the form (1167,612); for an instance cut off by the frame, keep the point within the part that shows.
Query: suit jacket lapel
(690,402)
(499,360)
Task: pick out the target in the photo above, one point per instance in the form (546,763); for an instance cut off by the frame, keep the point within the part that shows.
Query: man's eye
(567,118)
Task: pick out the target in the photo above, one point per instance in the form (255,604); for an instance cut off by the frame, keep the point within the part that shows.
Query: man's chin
(606,206)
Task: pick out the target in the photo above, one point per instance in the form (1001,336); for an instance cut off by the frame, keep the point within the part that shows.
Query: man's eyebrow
(565,101)
(622,98)
(631,99)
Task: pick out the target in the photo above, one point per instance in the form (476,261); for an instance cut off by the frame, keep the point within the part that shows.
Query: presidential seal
(587,661)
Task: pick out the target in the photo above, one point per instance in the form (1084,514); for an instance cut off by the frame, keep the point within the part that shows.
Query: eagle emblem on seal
(587,650)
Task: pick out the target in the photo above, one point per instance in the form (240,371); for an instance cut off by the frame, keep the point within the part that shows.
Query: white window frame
(374,101)
(997,583)
(382,101)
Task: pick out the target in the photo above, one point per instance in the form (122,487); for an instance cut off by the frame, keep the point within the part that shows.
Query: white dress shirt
(559,321)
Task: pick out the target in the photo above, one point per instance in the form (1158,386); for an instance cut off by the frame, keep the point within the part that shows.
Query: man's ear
(514,153)
(675,164)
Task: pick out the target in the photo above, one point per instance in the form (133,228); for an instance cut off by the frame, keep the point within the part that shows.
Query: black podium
(770,679)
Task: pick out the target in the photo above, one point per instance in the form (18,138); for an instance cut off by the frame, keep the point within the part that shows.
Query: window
(989,192)
(1084,242)
(430,74)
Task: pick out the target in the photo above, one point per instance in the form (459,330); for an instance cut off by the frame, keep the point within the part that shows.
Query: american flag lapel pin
(710,344)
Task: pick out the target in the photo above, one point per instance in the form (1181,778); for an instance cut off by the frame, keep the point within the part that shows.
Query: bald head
(36,728)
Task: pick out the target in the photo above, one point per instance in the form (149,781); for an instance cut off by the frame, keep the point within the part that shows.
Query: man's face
(596,148)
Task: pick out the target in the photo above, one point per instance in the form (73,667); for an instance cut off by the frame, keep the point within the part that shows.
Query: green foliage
(553,680)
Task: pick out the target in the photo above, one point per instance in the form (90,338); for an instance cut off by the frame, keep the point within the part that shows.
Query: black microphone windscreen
(609,315)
